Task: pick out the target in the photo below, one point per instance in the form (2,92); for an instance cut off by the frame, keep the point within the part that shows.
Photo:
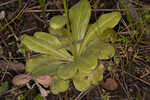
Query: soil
(131,75)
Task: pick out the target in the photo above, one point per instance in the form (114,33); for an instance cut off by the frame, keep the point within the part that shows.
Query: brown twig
(147,83)
(6,3)
(28,10)
(144,75)
(15,67)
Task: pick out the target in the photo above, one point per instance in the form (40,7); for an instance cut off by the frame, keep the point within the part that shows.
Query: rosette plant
(72,53)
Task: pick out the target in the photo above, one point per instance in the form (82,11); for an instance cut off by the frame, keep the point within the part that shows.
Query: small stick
(144,75)
(137,78)
(6,3)
(28,10)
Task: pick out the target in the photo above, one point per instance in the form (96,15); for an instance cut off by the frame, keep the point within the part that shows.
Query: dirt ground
(129,77)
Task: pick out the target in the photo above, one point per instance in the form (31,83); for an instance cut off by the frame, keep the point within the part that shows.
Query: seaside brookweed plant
(74,56)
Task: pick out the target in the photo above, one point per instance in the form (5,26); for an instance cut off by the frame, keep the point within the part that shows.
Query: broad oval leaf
(81,82)
(42,65)
(109,35)
(67,71)
(58,32)
(58,21)
(106,52)
(93,48)
(54,42)
(97,74)
(79,16)
(63,38)
(106,21)
(84,80)
(88,60)
(86,63)
(47,46)
(59,85)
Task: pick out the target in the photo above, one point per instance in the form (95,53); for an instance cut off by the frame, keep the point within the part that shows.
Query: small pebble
(2,15)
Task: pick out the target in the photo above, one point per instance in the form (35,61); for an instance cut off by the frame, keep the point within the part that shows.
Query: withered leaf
(21,79)
(44,80)
(109,84)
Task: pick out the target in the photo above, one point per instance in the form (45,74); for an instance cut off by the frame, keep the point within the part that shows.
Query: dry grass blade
(6,3)
(147,83)
(15,67)
(28,10)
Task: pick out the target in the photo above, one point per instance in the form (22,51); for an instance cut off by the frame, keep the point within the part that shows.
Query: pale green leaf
(58,32)
(67,71)
(59,85)
(93,48)
(106,21)
(81,81)
(79,16)
(66,44)
(84,80)
(38,97)
(42,65)
(86,63)
(97,74)
(53,41)
(58,22)
(63,38)
(99,49)
(109,35)
(46,44)
(88,60)
(106,52)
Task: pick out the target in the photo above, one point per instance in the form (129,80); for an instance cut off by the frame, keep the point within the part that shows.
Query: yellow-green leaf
(46,44)
(97,74)
(63,38)
(92,48)
(108,35)
(106,52)
(58,21)
(53,41)
(58,32)
(106,21)
(84,80)
(42,65)
(86,63)
(59,85)
(67,71)
(79,16)
(81,81)
(88,60)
